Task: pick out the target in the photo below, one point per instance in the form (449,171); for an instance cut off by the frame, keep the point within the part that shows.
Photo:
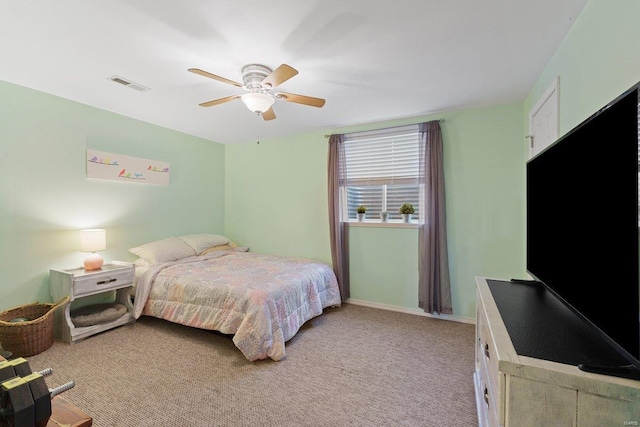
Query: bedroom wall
(596,62)
(276,202)
(45,197)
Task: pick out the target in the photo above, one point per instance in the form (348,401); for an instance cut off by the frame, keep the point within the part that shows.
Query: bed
(206,281)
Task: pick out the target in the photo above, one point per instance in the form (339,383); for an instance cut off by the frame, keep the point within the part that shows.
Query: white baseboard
(416,311)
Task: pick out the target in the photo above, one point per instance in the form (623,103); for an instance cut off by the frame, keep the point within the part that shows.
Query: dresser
(514,389)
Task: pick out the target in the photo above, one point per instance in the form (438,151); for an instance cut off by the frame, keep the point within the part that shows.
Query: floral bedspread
(262,299)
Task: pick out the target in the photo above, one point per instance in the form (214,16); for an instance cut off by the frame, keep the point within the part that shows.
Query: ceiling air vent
(129,83)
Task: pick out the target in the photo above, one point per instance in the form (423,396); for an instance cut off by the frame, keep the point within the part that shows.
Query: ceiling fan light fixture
(258,81)
(258,102)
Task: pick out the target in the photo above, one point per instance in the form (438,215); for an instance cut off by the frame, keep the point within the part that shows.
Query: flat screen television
(583,216)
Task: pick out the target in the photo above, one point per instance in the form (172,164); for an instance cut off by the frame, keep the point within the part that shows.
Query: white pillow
(165,250)
(141,262)
(202,241)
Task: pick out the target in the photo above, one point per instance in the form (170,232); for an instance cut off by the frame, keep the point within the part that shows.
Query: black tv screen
(582,221)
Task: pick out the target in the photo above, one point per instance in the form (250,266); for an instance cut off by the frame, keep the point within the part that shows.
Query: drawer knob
(106,281)
(486,351)
(486,396)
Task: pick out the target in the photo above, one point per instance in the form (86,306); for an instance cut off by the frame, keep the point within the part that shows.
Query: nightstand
(79,283)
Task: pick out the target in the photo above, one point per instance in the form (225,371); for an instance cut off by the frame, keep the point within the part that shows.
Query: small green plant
(361,209)
(407,208)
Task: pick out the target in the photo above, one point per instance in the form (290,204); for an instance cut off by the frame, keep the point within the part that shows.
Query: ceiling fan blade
(269,114)
(213,76)
(280,75)
(300,99)
(219,101)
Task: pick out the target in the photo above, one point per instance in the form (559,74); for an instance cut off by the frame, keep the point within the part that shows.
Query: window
(382,171)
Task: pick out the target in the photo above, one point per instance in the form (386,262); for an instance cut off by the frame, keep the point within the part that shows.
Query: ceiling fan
(258,81)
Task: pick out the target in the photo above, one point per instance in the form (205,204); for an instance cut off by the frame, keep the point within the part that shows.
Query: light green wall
(384,265)
(276,202)
(45,197)
(276,197)
(597,61)
(484,177)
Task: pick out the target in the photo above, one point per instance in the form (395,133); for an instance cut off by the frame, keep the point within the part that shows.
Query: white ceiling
(372,60)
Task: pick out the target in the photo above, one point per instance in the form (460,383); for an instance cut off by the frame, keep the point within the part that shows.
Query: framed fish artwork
(118,167)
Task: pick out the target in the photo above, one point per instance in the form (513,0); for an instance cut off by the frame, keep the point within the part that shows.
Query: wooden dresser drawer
(96,283)
(487,403)
(488,362)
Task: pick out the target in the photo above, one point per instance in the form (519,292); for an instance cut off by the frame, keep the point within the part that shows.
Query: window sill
(380,224)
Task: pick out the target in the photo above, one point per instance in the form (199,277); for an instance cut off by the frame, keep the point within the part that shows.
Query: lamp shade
(93,240)
(257,102)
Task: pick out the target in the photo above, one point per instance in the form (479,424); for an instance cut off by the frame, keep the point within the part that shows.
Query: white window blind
(387,156)
(382,170)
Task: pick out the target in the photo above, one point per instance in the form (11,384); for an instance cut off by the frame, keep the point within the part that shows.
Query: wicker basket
(30,337)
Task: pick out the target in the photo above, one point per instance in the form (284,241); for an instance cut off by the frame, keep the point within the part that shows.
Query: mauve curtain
(338,231)
(434,289)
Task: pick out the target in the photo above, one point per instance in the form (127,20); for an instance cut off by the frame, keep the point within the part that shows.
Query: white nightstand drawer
(96,283)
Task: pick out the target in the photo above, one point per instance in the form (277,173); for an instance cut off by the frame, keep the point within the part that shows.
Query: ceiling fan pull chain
(259,127)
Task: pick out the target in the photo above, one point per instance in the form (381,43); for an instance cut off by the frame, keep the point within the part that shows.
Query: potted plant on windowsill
(407,210)
(361,210)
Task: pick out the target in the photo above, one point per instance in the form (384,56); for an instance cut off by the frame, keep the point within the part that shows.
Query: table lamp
(92,241)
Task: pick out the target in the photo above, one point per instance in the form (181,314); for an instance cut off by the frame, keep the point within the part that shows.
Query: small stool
(64,413)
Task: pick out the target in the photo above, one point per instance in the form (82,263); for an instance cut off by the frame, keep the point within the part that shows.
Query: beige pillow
(202,241)
(227,247)
(165,250)
(141,262)
(230,247)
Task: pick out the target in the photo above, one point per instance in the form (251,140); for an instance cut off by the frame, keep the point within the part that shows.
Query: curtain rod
(372,130)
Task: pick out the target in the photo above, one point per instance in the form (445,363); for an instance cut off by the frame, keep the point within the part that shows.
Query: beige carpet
(352,366)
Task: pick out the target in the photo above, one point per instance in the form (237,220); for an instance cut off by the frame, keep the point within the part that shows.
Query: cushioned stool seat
(66,414)
(97,314)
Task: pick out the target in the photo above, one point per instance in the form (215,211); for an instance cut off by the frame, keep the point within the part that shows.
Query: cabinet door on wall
(543,120)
